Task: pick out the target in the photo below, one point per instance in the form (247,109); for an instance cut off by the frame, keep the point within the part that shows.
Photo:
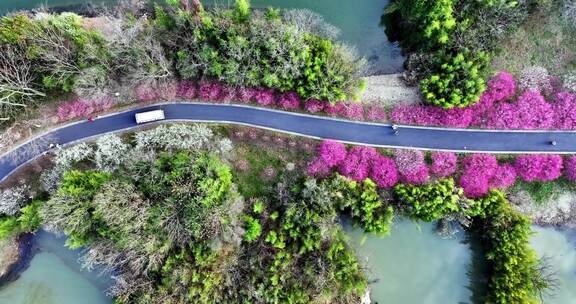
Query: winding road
(372,134)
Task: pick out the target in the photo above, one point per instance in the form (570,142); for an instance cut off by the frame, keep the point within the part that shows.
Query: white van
(149,116)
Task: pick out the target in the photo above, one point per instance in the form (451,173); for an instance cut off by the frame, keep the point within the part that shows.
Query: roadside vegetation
(450,43)
(182,214)
(131,53)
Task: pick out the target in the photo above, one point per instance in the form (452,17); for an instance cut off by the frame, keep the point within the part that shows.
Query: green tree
(430,202)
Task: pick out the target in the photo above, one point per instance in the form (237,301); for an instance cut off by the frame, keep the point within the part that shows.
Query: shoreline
(21,262)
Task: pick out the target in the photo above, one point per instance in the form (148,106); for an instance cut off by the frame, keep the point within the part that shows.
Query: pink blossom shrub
(480,109)
(167,91)
(530,111)
(474,185)
(72,109)
(209,91)
(246,95)
(187,89)
(502,86)
(264,97)
(354,111)
(431,116)
(384,172)
(289,101)
(412,166)
(318,168)
(332,152)
(228,94)
(485,164)
(314,106)
(375,113)
(335,109)
(504,177)
(477,170)
(570,168)
(443,164)
(357,164)
(145,93)
(81,107)
(538,167)
(564,107)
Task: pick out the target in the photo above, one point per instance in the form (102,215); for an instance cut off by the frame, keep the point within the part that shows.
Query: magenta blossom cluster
(289,101)
(538,167)
(209,90)
(412,166)
(431,116)
(530,111)
(82,108)
(358,163)
(264,97)
(314,106)
(375,113)
(570,168)
(444,164)
(481,172)
(187,89)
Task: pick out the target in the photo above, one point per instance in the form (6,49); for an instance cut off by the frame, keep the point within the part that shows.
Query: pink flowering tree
(264,97)
(72,109)
(246,95)
(570,168)
(314,106)
(187,90)
(357,164)
(145,92)
(354,111)
(412,166)
(502,86)
(444,164)
(332,152)
(384,172)
(289,101)
(564,108)
(538,167)
(477,170)
(375,113)
(209,91)
(504,177)
(318,168)
(530,111)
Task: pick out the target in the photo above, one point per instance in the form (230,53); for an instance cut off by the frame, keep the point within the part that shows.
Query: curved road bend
(381,135)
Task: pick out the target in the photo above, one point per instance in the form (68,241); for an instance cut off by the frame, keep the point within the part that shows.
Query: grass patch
(545,40)
(540,192)
(253,182)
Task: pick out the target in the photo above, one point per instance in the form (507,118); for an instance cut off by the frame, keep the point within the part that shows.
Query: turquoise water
(54,277)
(415,265)
(558,247)
(359,22)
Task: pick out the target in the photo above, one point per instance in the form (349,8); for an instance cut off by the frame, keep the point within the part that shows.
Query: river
(358,21)
(412,265)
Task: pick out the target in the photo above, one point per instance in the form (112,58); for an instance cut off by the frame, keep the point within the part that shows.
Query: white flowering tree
(110,152)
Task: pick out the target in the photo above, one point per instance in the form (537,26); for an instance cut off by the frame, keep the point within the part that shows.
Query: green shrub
(457,80)
(515,276)
(253,229)
(430,202)
(27,221)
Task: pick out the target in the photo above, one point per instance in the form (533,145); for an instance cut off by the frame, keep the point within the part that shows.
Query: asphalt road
(463,140)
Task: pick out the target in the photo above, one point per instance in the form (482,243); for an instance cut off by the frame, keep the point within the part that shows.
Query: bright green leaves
(430,202)
(253,229)
(27,221)
(515,272)
(457,81)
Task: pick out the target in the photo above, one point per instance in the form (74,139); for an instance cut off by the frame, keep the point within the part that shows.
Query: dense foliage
(43,55)
(256,50)
(515,275)
(450,42)
(430,202)
(127,55)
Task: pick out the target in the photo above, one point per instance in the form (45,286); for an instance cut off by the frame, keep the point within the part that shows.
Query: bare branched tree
(16,80)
